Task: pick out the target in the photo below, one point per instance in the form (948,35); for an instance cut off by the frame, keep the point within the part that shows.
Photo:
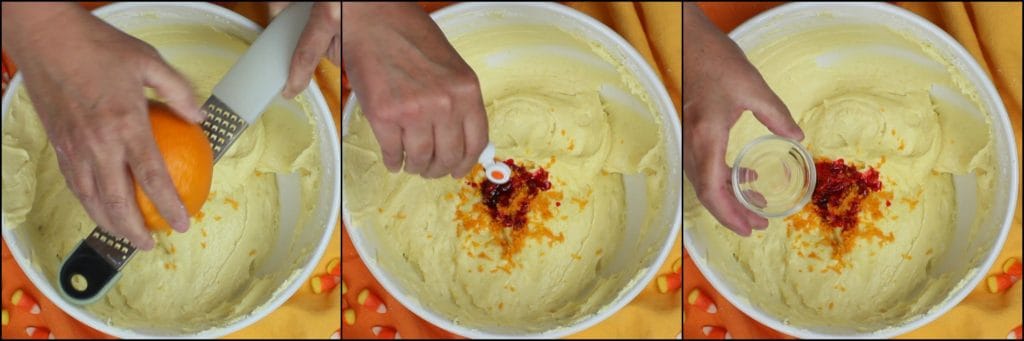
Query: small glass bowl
(773,176)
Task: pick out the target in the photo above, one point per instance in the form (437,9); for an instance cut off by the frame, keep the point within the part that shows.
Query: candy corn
(371,301)
(713,332)
(999,283)
(336,335)
(323,283)
(350,317)
(382,332)
(1012,267)
(670,282)
(24,301)
(39,333)
(1015,333)
(700,300)
(334,266)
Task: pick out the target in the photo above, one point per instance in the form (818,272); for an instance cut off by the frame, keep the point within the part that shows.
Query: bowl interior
(464,18)
(293,249)
(970,249)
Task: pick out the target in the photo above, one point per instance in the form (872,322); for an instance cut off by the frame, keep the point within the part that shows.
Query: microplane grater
(237,100)
(221,127)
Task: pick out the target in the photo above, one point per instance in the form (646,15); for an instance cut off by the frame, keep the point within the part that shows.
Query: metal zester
(237,101)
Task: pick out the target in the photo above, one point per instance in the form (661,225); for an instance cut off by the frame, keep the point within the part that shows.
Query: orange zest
(508,218)
(510,202)
(845,208)
(840,190)
(232,202)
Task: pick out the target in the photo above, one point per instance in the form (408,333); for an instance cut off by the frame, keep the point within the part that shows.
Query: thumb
(174,89)
(776,117)
(312,44)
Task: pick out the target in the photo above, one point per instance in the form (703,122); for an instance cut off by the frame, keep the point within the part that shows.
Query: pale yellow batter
(191,281)
(543,93)
(860,94)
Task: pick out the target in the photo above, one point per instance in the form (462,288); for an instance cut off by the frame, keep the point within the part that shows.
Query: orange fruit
(189,161)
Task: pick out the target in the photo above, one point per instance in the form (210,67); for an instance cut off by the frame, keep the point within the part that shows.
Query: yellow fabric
(654,29)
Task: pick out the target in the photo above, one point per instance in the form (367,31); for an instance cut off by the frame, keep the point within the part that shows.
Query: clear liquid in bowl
(773,176)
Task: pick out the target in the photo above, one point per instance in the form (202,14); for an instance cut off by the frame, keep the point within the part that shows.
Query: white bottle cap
(496,172)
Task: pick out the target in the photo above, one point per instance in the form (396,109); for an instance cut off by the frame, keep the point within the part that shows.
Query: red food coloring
(840,191)
(509,203)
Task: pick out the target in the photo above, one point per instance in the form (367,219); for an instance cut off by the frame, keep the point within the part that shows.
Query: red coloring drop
(840,190)
(509,203)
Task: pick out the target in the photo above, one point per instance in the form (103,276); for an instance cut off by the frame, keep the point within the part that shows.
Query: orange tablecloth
(991,32)
(655,30)
(304,315)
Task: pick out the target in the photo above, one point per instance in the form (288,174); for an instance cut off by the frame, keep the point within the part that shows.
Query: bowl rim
(283,293)
(658,94)
(987,92)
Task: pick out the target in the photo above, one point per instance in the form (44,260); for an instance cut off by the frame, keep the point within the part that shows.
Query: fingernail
(181,225)
(797,133)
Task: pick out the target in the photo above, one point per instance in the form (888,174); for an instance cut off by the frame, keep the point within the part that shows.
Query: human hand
(719,83)
(422,100)
(86,79)
(321,37)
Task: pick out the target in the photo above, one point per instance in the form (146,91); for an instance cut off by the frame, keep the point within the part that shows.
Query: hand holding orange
(189,161)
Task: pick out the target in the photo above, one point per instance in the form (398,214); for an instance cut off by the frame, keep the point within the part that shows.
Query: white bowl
(465,17)
(306,248)
(983,249)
